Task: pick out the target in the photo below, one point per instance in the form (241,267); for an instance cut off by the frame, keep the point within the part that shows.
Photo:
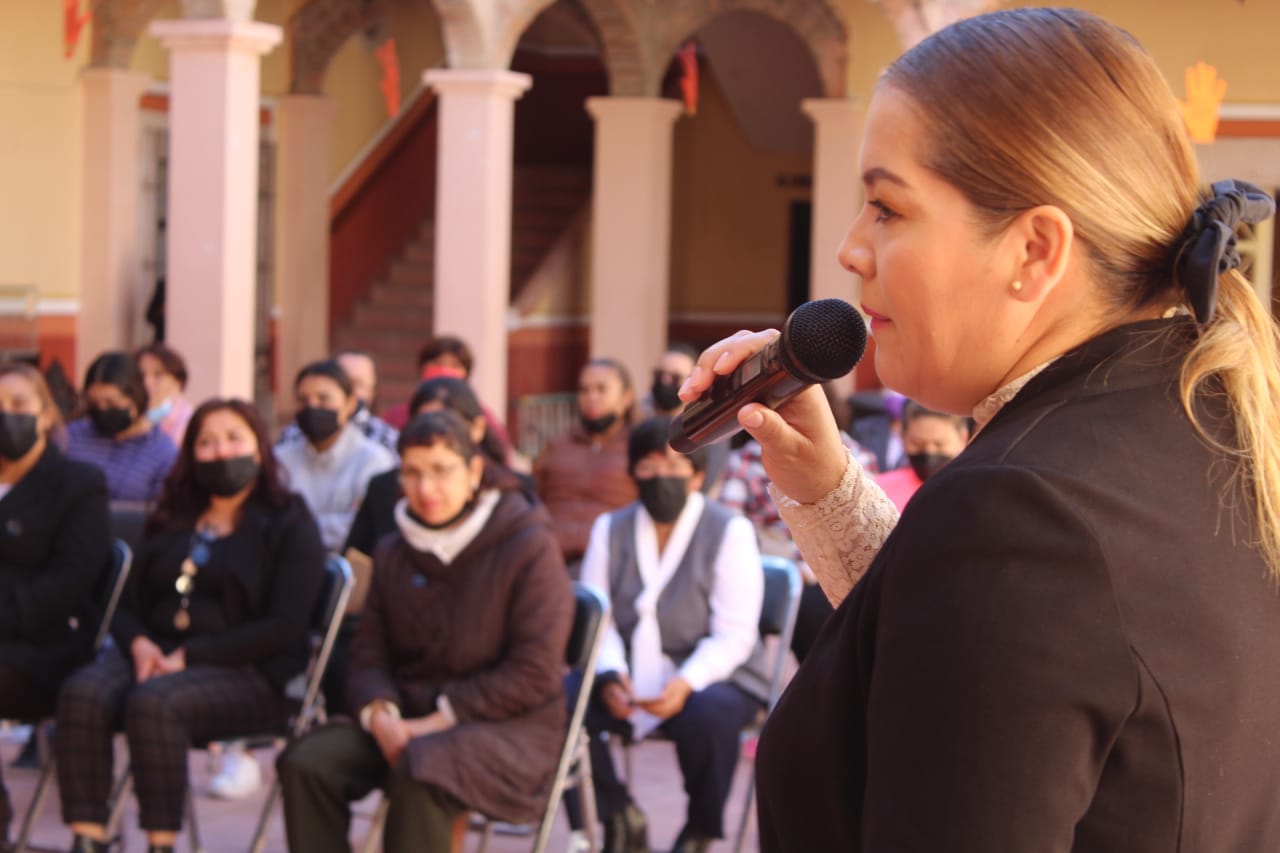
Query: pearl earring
(1016,287)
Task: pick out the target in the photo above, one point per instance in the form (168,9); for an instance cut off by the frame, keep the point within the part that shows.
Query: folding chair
(117,574)
(590,617)
(781,603)
(782,589)
(325,621)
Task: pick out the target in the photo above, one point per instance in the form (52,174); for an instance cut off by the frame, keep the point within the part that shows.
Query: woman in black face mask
(53,546)
(115,433)
(583,472)
(929,440)
(212,625)
(683,575)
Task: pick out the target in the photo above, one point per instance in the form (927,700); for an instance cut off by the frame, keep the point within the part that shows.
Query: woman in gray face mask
(53,546)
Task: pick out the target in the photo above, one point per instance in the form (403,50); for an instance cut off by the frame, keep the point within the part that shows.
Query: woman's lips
(877,320)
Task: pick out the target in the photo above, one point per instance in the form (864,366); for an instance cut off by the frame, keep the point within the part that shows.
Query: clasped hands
(149,660)
(620,700)
(393,733)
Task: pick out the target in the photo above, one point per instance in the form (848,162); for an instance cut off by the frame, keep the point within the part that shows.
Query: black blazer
(54,546)
(1067,644)
(276,562)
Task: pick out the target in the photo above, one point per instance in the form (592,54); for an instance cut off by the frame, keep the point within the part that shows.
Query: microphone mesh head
(825,337)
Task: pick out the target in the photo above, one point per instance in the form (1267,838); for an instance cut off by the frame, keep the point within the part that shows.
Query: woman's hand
(391,733)
(800,442)
(617,697)
(670,702)
(147,658)
(175,661)
(429,725)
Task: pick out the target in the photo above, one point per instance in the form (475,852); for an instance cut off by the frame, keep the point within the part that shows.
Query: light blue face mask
(160,412)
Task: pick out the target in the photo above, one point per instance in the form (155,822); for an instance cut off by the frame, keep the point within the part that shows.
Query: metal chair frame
(573,770)
(118,566)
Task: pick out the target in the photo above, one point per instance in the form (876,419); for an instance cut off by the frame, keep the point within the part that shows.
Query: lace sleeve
(841,534)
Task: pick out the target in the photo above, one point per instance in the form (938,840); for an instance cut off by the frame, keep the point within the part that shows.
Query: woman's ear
(478,427)
(1043,238)
(476,469)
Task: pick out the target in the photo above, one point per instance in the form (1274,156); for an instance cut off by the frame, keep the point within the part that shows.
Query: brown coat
(580,477)
(489,632)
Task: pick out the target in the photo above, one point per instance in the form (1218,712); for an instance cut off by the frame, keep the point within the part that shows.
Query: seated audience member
(672,369)
(445,355)
(876,424)
(583,472)
(929,440)
(456,666)
(363,374)
(164,374)
(212,626)
(116,435)
(331,469)
(54,530)
(682,654)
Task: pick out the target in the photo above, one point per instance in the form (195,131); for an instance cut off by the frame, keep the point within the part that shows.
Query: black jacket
(1067,643)
(276,570)
(54,548)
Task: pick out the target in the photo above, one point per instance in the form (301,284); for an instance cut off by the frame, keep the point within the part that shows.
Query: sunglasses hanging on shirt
(196,560)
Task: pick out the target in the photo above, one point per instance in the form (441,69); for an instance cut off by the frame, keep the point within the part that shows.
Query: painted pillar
(112,292)
(473,216)
(213,197)
(631,229)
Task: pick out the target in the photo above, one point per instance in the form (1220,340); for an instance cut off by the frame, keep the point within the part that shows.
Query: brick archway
(117,24)
(317,31)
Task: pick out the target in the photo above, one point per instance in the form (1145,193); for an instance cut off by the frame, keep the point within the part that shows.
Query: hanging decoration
(389,61)
(1201,109)
(688,56)
(73,23)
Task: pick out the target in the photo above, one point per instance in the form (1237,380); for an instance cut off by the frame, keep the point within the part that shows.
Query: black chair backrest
(128,520)
(779,576)
(588,610)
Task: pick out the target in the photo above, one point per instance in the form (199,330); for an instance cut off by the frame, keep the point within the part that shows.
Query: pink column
(304,129)
(837,192)
(473,216)
(213,197)
(112,292)
(631,229)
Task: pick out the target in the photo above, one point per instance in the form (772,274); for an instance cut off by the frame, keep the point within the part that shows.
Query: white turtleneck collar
(448,543)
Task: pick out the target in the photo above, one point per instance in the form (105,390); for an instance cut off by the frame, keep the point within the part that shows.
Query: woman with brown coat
(456,666)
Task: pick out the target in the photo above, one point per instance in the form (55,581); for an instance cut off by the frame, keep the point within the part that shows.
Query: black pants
(337,764)
(706,734)
(162,718)
(20,699)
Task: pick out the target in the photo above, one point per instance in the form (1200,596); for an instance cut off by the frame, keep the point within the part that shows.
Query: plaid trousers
(162,718)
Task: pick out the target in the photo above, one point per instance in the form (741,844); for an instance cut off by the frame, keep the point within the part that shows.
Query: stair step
(415,275)
(408,295)
(371,316)
(399,344)
(420,253)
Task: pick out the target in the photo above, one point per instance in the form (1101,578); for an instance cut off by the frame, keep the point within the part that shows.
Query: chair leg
(587,795)
(116,811)
(193,828)
(746,813)
(374,839)
(37,802)
(260,834)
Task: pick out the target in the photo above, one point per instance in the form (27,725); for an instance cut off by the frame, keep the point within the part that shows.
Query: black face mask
(663,497)
(111,422)
(18,434)
(595,426)
(226,477)
(666,396)
(927,464)
(317,424)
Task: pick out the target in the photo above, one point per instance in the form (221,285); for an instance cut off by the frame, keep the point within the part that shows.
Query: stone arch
(117,25)
(620,39)
(467,41)
(317,31)
(819,25)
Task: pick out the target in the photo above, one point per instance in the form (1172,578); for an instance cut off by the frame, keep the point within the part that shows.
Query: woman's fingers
(721,358)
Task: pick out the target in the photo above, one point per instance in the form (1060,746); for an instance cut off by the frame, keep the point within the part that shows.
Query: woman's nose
(855,255)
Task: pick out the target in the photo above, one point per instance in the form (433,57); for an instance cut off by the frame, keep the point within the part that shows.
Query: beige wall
(729,215)
(40,150)
(1236,37)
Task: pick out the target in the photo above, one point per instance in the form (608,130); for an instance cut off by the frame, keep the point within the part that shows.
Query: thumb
(764,424)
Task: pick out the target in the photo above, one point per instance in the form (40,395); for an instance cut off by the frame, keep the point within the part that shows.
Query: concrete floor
(227,827)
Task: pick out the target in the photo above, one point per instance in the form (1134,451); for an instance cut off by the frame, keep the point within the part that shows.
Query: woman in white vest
(682,656)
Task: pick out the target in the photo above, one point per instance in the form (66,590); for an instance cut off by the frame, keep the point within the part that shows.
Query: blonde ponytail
(1240,350)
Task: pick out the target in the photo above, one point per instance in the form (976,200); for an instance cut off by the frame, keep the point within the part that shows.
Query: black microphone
(821,340)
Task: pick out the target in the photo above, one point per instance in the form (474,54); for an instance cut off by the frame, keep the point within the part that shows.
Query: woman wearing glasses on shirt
(212,626)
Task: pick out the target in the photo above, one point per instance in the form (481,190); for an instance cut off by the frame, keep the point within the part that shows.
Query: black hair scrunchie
(1208,248)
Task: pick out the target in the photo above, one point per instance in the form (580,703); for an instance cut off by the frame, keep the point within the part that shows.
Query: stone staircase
(394,319)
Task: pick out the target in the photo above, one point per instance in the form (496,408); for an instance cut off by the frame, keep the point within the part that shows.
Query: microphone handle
(766,377)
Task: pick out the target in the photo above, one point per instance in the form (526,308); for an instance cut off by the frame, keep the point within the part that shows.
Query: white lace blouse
(841,534)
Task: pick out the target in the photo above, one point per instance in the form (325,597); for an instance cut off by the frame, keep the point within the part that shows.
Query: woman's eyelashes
(884,213)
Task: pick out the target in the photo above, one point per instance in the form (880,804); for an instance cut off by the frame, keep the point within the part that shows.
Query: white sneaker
(238,776)
(578,842)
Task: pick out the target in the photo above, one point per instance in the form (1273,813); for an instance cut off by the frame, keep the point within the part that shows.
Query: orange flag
(389,61)
(72,24)
(688,57)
